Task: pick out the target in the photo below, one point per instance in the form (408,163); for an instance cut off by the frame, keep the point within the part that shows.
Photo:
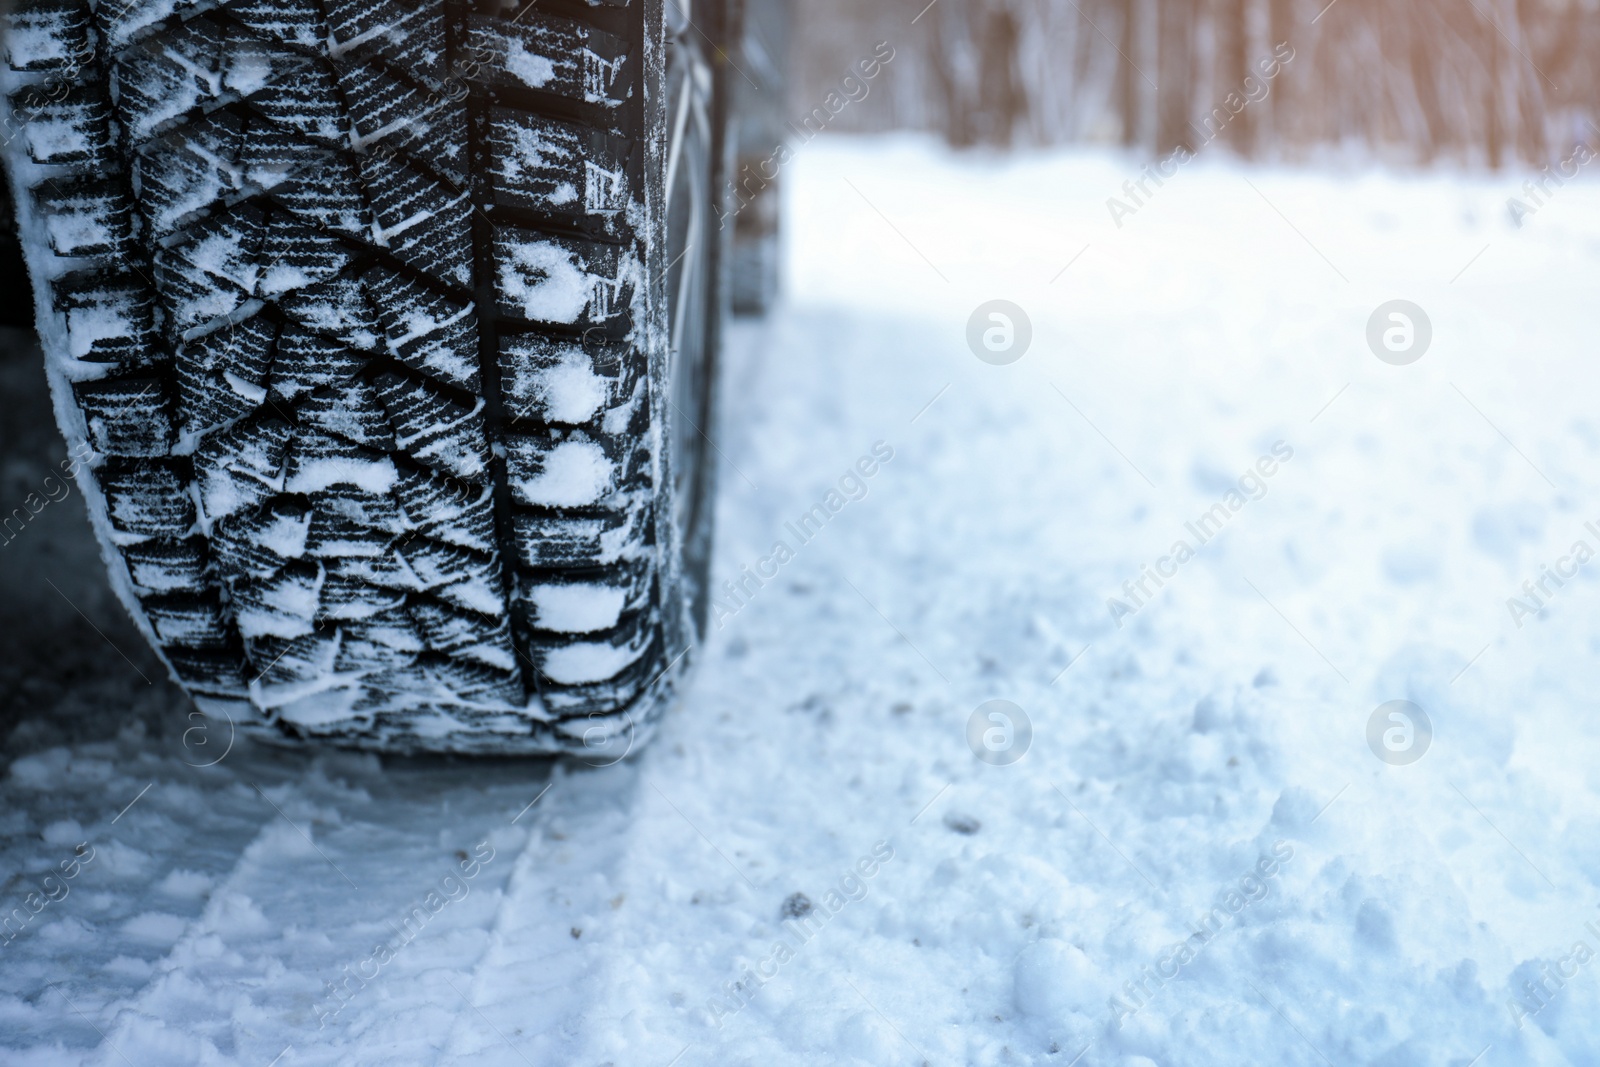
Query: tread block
(331,535)
(584,607)
(222,376)
(305,101)
(283,661)
(390,116)
(318,461)
(548,540)
(86,218)
(110,318)
(187,621)
(345,599)
(348,409)
(199,64)
(561,471)
(169,76)
(261,542)
(360,656)
(295,256)
(295,22)
(409,35)
(448,510)
(425,224)
(70,128)
(268,157)
(306,361)
(478,684)
(556,167)
(386,571)
(558,381)
(208,670)
(121,24)
(126,416)
(458,577)
(167,566)
(324,193)
(435,431)
(561,280)
(390,628)
(432,334)
(189,169)
(148,499)
(361,510)
(284,605)
(551,55)
(48,36)
(597,659)
(241,467)
(337,308)
(463,635)
(213,270)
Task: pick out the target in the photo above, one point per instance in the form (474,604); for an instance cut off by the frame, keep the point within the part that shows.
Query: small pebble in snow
(796,906)
(901,708)
(962,824)
(576,933)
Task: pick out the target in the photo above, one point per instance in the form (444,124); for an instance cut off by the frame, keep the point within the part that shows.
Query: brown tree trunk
(1128,94)
(1174,83)
(1233,66)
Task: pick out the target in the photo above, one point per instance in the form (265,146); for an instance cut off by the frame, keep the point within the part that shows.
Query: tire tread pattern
(359,488)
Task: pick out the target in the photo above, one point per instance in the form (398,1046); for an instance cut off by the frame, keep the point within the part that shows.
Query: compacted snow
(1199,859)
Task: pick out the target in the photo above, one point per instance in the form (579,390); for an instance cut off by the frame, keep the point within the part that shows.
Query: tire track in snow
(534,994)
(251,976)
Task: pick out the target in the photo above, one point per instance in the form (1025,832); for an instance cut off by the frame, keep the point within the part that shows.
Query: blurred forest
(1475,81)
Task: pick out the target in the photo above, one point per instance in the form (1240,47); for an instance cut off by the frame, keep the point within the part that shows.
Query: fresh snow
(545,282)
(534,71)
(575,473)
(577,607)
(569,390)
(1203,766)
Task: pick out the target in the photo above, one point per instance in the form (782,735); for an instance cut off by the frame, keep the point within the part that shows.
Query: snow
(532,70)
(545,281)
(375,476)
(575,473)
(569,390)
(583,662)
(577,607)
(1199,828)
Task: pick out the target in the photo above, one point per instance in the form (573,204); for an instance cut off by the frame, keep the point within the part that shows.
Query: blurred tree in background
(1484,81)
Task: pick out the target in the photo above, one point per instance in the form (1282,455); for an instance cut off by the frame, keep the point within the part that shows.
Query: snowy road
(1199,860)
